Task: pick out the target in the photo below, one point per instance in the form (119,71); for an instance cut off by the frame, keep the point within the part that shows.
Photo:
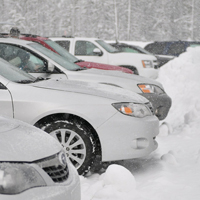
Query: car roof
(34,37)
(15,41)
(77,38)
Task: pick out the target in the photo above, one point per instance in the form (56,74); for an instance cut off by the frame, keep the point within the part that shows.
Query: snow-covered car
(93,122)
(33,164)
(96,50)
(51,65)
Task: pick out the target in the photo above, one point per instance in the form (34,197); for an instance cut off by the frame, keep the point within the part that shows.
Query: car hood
(89,88)
(103,66)
(21,142)
(128,57)
(118,78)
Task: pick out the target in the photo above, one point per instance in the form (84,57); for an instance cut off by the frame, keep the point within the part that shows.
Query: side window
(21,58)
(176,49)
(64,44)
(84,48)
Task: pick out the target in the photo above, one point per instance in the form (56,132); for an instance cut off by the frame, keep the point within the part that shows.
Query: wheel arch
(64,116)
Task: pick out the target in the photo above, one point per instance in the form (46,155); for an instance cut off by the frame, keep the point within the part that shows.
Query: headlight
(16,178)
(133,109)
(146,88)
(147,63)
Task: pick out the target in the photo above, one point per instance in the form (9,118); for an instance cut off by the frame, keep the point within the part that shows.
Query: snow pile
(172,171)
(115,184)
(180,78)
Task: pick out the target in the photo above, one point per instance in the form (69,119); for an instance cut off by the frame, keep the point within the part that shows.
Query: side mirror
(51,67)
(97,52)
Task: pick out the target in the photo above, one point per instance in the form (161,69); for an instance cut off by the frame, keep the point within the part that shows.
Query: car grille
(54,168)
(57,174)
(151,108)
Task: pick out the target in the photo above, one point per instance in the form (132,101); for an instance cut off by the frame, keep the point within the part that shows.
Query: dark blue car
(167,50)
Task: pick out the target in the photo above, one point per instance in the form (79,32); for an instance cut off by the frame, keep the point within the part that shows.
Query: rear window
(176,49)
(64,44)
(156,48)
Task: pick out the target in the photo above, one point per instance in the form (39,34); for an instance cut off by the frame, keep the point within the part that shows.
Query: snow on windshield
(172,171)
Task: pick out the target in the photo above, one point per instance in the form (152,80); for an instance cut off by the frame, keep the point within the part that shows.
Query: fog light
(140,143)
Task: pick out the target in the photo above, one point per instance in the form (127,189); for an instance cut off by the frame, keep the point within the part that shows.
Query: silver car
(39,61)
(92,121)
(33,165)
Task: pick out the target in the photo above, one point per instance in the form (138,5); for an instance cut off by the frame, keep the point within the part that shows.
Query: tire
(77,140)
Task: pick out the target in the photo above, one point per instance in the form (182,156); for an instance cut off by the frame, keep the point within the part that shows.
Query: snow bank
(181,80)
(172,171)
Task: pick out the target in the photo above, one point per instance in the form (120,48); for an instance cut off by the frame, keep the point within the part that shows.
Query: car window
(84,48)
(55,57)
(62,51)
(194,45)
(21,58)
(156,48)
(13,73)
(127,49)
(176,48)
(64,44)
(107,47)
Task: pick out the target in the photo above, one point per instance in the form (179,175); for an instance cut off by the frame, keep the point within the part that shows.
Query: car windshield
(55,57)
(143,50)
(14,74)
(107,47)
(63,52)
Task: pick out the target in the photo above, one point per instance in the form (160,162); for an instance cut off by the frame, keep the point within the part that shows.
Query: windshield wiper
(39,79)
(81,68)
(79,61)
(25,81)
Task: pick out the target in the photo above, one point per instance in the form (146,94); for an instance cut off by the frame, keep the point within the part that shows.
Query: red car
(53,46)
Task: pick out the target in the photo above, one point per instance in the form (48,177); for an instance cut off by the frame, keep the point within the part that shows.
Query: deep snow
(172,172)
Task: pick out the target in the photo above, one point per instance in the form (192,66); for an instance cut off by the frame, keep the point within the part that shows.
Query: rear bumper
(161,104)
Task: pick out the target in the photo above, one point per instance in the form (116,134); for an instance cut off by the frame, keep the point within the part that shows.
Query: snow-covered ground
(172,172)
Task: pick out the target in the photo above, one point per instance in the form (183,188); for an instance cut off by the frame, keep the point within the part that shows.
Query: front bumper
(125,137)
(161,104)
(149,72)
(69,189)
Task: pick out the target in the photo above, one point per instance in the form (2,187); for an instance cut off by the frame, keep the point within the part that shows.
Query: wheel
(77,140)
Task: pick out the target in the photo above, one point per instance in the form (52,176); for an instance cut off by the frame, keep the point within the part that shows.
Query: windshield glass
(13,73)
(55,57)
(107,47)
(63,52)
(143,50)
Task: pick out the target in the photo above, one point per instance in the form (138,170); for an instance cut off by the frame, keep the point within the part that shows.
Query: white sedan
(91,121)
(33,165)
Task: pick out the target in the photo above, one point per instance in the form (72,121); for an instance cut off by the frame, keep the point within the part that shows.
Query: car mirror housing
(50,67)
(97,52)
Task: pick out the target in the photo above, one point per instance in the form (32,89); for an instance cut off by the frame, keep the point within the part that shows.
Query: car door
(28,61)
(84,50)
(6,106)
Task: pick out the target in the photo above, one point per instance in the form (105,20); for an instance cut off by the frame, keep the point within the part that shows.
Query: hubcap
(73,145)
